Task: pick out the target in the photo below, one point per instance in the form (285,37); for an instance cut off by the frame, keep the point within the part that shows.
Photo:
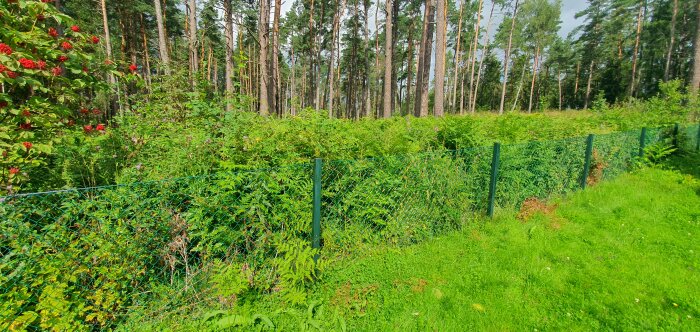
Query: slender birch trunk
(276,76)
(506,58)
(484,53)
(228,32)
(334,37)
(534,78)
(635,55)
(388,52)
(476,46)
(263,92)
(672,40)
(441,44)
(458,54)
(192,36)
(108,40)
(588,86)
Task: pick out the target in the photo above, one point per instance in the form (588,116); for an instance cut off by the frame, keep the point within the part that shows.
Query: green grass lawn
(622,255)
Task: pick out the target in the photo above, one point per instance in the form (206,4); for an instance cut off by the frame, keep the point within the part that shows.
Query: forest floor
(623,255)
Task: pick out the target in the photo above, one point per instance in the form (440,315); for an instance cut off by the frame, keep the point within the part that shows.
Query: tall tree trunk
(292,88)
(192,35)
(216,76)
(319,49)
(440,45)
(588,86)
(366,80)
(636,50)
(421,56)
(672,41)
(520,87)
(210,62)
(146,56)
(375,72)
(409,67)
(506,58)
(388,63)
(477,26)
(334,38)
(241,69)
(263,36)
(108,40)
(578,72)
(458,53)
(394,62)
(461,90)
(276,76)
(228,32)
(312,48)
(464,77)
(534,78)
(423,83)
(559,83)
(202,49)
(695,80)
(484,53)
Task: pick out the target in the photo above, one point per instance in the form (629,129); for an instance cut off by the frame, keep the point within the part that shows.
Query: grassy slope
(623,255)
(620,256)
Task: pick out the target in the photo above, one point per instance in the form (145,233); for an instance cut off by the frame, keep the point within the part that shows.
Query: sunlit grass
(620,256)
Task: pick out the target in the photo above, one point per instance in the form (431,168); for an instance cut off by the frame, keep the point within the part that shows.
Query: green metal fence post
(587,164)
(697,140)
(675,136)
(316,215)
(642,142)
(494,175)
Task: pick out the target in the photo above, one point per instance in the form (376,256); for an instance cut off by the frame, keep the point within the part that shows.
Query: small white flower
(636,300)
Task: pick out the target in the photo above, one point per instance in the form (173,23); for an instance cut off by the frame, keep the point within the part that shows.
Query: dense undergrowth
(174,136)
(620,256)
(87,259)
(199,207)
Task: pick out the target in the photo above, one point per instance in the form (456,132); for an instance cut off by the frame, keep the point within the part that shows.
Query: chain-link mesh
(84,259)
(613,154)
(689,137)
(399,199)
(539,169)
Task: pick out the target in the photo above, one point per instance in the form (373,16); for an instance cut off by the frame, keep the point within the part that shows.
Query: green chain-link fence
(85,259)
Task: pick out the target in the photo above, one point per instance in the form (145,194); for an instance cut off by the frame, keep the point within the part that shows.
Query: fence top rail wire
(306,164)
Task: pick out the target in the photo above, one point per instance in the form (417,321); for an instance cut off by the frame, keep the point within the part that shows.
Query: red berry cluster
(27,63)
(89,128)
(5,49)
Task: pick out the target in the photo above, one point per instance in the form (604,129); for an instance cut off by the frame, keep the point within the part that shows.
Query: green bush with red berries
(50,77)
